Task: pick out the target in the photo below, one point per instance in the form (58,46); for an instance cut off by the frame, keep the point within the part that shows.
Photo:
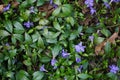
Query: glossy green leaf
(45,59)
(4,33)
(83,76)
(28,38)
(35,37)
(56,12)
(66,10)
(38,75)
(55,50)
(22,75)
(18,37)
(18,27)
(40,42)
(13,53)
(71,20)
(57,25)
(40,2)
(27,62)
(106,32)
(8,26)
(108,48)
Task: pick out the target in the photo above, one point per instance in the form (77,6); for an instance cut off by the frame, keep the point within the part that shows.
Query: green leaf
(66,10)
(40,42)
(45,59)
(51,35)
(83,76)
(80,28)
(40,2)
(57,25)
(58,2)
(73,35)
(22,75)
(4,33)
(27,62)
(30,1)
(112,76)
(35,37)
(56,12)
(71,20)
(53,40)
(106,32)
(13,40)
(38,75)
(13,53)
(28,38)
(18,27)
(90,30)
(18,37)
(98,40)
(108,48)
(55,50)
(43,22)
(8,26)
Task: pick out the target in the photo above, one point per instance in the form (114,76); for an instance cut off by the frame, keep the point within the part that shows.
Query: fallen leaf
(47,8)
(15,4)
(1,8)
(99,49)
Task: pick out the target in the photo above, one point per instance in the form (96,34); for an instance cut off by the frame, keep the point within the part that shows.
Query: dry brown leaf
(47,8)
(15,4)
(1,8)
(99,48)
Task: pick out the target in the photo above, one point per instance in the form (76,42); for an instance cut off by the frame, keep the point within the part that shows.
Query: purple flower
(32,9)
(106,5)
(91,38)
(80,48)
(115,1)
(89,3)
(92,10)
(79,68)
(51,2)
(55,6)
(55,67)
(78,59)
(113,68)
(65,54)
(42,68)
(28,24)
(7,7)
(7,44)
(53,62)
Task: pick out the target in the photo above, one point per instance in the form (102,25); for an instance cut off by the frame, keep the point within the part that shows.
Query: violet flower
(114,69)
(54,5)
(42,68)
(92,10)
(89,3)
(91,38)
(115,1)
(80,47)
(106,5)
(51,2)
(65,54)
(7,7)
(31,9)
(7,44)
(28,24)
(78,59)
(80,68)
(53,62)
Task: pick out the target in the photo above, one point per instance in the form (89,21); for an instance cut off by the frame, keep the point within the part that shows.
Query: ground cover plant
(59,39)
